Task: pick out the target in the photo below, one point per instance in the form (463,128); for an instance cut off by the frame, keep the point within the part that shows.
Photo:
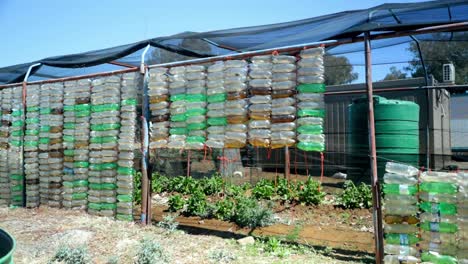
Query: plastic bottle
(400,189)
(438,187)
(437,258)
(442,227)
(442,208)
(399,179)
(401,169)
(398,259)
(401,239)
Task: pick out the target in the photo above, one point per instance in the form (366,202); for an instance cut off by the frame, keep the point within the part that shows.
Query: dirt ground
(40,232)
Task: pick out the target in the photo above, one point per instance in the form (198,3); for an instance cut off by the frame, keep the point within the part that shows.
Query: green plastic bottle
(442,208)
(436,258)
(438,187)
(400,189)
(401,239)
(439,227)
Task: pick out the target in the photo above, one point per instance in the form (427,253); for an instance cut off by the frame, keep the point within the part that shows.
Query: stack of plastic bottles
(310,103)
(439,217)
(44,128)
(68,142)
(260,101)
(15,165)
(216,97)
(125,170)
(31,143)
(55,111)
(235,76)
(4,132)
(76,140)
(196,106)
(103,155)
(462,211)
(283,116)
(159,106)
(401,213)
(177,91)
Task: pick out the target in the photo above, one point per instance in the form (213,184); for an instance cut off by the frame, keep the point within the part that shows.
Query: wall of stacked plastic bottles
(426,215)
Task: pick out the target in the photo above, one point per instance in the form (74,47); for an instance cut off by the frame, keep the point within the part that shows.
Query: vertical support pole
(188,162)
(376,200)
(145,168)
(287,163)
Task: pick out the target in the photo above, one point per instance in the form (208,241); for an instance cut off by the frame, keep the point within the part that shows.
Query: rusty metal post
(145,168)
(376,199)
(287,163)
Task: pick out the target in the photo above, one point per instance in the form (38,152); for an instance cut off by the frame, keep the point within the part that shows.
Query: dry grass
(40,232)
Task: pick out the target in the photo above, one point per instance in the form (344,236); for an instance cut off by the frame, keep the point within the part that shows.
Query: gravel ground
(40,232)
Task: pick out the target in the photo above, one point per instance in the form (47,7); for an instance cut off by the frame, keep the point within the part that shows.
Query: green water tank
(7,247)
(396,133)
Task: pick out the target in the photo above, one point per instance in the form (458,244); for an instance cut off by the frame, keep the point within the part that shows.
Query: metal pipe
(122,64)
(23,127)
(145,168)
(287,163)
(376,201)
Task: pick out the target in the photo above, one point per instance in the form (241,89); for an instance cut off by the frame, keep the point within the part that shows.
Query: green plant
(221,256)
(67,255)
(150,252)
(355,196)
(196,204)
(286,191)
(168,223)
(176,202)
(137,188)
(274,247)
(310,192)
(293,236)
(224,209)
(249,213)
(159,183)
(212,185)
(264,189)
(113,260)
(184,185)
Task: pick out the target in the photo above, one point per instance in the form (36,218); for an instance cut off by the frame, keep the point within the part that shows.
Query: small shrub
(221,256)
(274,247)
(137,188)
(310,192)
(113,260)
(355,196)
(196,204)
(176,202)
(233,190)
(264,189)
(159,183)
(224,209)
(184,185)
(249,213)
(212,185)
(168,223)
(286,191)
(67,255)
(150,252)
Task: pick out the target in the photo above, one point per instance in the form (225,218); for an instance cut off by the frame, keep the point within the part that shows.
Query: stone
(246,241)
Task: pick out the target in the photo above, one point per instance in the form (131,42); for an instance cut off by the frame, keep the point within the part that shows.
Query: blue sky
(32,29)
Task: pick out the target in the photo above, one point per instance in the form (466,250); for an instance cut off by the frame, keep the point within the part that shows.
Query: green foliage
(159,183)
(150,252)
(67,255)
(233,190)
(184,185)
(137,188)
(221,256)
(310,192)
(249,213)
(275,247)
(196,204)
(264,189)
(224,209)
(286,191)
(168,223)
(355,196)
(113,260)
(293,236)
(212,185)
(176,202)
(339,70)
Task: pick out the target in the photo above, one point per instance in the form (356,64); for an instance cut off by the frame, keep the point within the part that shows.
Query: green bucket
(7,247)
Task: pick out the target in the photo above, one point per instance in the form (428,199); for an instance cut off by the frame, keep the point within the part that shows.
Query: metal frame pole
(376,199)
(23,128)
(145,168)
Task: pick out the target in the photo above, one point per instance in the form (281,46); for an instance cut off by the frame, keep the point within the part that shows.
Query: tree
(394,74)
(338,70)
(436,53)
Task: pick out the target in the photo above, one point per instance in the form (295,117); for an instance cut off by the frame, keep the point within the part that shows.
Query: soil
(323,226)
(40,232)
